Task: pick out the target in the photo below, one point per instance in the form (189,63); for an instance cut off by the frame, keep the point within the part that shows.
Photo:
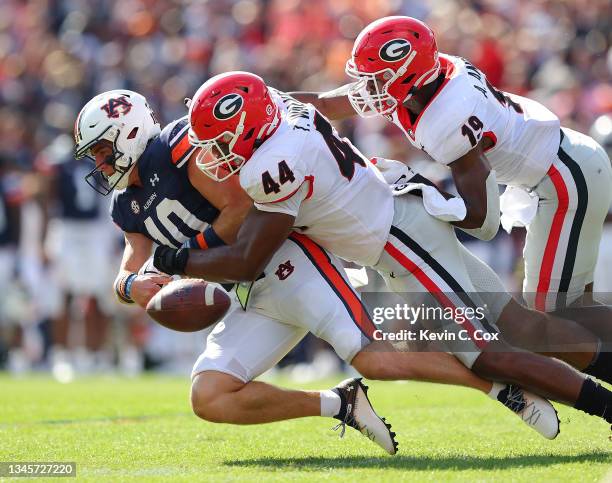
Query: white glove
(518,207)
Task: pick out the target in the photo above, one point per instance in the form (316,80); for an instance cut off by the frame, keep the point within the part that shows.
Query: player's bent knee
(374,364)
(520,325)
(209,392)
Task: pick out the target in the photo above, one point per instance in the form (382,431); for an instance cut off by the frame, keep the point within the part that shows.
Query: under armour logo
(154,179)
(349,389)
(284,270)
(116,106)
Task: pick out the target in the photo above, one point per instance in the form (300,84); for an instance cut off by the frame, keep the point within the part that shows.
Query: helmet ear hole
(133,133)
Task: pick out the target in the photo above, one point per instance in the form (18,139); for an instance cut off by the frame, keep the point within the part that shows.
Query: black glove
(170,260)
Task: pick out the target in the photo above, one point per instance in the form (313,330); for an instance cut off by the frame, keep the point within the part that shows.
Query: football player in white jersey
(446,107)
(303,177)
(128,149)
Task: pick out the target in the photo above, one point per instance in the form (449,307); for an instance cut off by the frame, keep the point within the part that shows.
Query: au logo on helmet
(116,106)
(228,106)
(395,50)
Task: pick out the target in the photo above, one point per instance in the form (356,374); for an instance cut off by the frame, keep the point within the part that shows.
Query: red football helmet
(229,115)
(392,58)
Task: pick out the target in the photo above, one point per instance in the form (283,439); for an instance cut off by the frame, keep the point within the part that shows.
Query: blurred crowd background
(57,54)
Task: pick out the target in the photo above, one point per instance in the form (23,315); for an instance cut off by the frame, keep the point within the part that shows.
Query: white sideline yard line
(109,419)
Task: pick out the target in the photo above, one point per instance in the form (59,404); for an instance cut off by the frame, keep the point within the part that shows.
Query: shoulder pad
(174,136)
(457,130)
(272,179)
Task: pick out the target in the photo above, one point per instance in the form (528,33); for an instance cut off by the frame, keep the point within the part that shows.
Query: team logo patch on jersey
(284,270)
(135,207)
(117,106)
(228,106)
(395,50)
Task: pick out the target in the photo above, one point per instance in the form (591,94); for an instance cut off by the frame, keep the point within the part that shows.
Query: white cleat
(357,412)
(535,411)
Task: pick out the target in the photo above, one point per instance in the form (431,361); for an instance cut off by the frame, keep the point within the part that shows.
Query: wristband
(207,239)
(120,288)
(211,238)
(128,285)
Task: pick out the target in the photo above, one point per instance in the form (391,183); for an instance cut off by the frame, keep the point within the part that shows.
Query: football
(188,305)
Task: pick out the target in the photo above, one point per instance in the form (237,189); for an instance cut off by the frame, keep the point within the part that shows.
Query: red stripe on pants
(548,259)
(431,287)
(344,290)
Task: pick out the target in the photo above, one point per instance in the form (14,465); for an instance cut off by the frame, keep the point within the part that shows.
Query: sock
(595,400)
(495,390)
(509,395)
(330,403)
(601,367)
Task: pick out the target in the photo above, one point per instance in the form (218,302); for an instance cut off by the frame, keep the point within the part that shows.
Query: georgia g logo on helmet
(395,50)
(228,106)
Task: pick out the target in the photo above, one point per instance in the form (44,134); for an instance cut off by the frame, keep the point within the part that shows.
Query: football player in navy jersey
(156,190)
(161,196)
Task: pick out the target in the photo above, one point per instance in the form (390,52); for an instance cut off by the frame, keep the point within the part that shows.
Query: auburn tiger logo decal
(117,106)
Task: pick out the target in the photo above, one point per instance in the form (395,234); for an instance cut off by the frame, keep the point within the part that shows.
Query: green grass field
(118,429)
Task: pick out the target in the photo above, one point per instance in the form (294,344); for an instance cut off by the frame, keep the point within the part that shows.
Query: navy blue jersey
(166,208)
(75,199)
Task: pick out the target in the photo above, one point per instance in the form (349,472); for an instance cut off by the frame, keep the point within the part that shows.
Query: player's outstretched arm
(261,234)
(477,186)
(142,287)
(334,104)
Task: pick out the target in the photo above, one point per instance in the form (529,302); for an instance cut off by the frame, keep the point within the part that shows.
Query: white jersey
(339,199)
(524,133)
